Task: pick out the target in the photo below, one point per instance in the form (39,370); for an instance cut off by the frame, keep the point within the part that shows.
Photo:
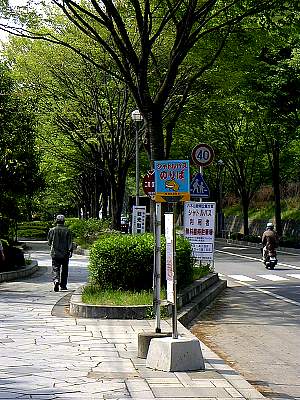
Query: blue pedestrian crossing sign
(198,187)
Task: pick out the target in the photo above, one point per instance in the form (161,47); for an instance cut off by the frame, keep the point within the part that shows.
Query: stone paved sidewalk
(46,354)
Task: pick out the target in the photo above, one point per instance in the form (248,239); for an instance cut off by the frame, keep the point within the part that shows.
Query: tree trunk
(154,132)
(245,205)
(117,198)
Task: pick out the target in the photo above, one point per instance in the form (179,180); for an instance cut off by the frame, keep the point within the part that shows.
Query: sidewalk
(46,354)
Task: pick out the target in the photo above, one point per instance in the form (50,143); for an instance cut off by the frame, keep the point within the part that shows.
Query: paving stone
(240,383)
(189,392)
(221,383)
(137,385)
(113,375)
(142,395)
(162,380)
(46,356)
(233,392)
(251,394)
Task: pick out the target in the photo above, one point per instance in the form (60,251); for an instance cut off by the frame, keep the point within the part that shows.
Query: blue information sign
(172,180)
(199,187)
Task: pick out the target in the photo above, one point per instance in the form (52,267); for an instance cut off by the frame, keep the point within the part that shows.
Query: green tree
(149,44)
(84,119)
(19,176)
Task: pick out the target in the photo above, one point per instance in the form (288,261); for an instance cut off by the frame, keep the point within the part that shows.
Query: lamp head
(136,115)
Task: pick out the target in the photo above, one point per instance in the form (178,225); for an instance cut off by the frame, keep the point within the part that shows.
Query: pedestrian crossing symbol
(199,187)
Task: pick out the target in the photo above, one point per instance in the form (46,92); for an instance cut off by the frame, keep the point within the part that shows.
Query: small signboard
(138,219)
(199,187)
(199,228)
(149,184)
(203,155)
(169,226)
(172,181)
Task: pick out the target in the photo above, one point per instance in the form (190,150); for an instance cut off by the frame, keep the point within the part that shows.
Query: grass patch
(95,295)
(199,271)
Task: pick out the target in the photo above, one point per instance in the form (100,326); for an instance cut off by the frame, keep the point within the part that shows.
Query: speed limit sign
(203,155)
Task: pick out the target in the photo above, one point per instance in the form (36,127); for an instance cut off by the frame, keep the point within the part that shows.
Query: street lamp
(137,117)
(221,165)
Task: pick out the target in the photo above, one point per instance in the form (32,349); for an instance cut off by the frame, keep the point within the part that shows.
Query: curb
(25,271)
(191,301)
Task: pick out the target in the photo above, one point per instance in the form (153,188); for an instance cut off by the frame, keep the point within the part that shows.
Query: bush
(252,239)
(34,229)
(14,257)
(126,262)
(292,242)
(86,231)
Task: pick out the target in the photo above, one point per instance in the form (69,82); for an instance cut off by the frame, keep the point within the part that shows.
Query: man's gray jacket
(60,241)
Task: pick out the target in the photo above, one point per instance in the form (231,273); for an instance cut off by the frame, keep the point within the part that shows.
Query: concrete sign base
(169,354)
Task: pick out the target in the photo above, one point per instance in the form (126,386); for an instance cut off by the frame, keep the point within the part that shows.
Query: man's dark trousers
(60,269)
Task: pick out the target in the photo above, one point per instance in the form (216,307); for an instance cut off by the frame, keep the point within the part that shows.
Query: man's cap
(270,225)
(60,218)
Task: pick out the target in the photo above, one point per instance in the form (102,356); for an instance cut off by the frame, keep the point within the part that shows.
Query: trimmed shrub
(86,231)
(126,262)
(252,239)
(292,242)
(14,257)
(34,229)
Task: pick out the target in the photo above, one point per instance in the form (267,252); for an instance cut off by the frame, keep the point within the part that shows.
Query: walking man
(60,242)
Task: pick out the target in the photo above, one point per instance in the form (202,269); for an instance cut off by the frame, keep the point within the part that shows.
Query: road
(255,324)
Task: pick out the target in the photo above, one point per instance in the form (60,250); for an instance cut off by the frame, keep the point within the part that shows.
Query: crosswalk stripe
(297,276)
(274,278)
(242,278)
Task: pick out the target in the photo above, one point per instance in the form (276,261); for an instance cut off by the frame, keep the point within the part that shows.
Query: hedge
(126,262)
(86,231)
(34,229)
(14,257)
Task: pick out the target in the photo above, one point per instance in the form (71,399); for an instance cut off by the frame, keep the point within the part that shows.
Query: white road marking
(234,248)
(255,259)
(277,296)
(274,278)
(242,278)
(297,276)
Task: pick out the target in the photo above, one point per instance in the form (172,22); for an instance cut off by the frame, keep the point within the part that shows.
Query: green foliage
(19,175)
(184,262)
(34,229)
(14,257)
(200,271)
(93,294)
(86,231)
(126,262)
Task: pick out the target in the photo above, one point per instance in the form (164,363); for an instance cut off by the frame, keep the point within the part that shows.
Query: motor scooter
(270,258)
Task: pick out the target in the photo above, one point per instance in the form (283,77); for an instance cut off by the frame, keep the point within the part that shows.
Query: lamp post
(220,164)
(137,117)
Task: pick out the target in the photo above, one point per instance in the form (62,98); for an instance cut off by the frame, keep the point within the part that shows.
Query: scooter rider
(270,239)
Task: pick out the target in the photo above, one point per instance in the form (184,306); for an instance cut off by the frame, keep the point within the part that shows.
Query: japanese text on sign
(199,228)
(172,180)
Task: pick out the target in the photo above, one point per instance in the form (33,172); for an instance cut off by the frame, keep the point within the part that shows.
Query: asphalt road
(255,324)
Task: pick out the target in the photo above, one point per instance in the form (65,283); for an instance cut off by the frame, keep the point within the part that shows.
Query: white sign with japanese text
(169,232)
(199,228)
(138,219)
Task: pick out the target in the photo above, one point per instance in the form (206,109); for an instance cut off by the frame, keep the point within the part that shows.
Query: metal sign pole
(201,172)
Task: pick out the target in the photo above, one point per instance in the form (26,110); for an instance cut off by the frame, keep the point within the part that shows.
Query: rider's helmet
(270,225)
